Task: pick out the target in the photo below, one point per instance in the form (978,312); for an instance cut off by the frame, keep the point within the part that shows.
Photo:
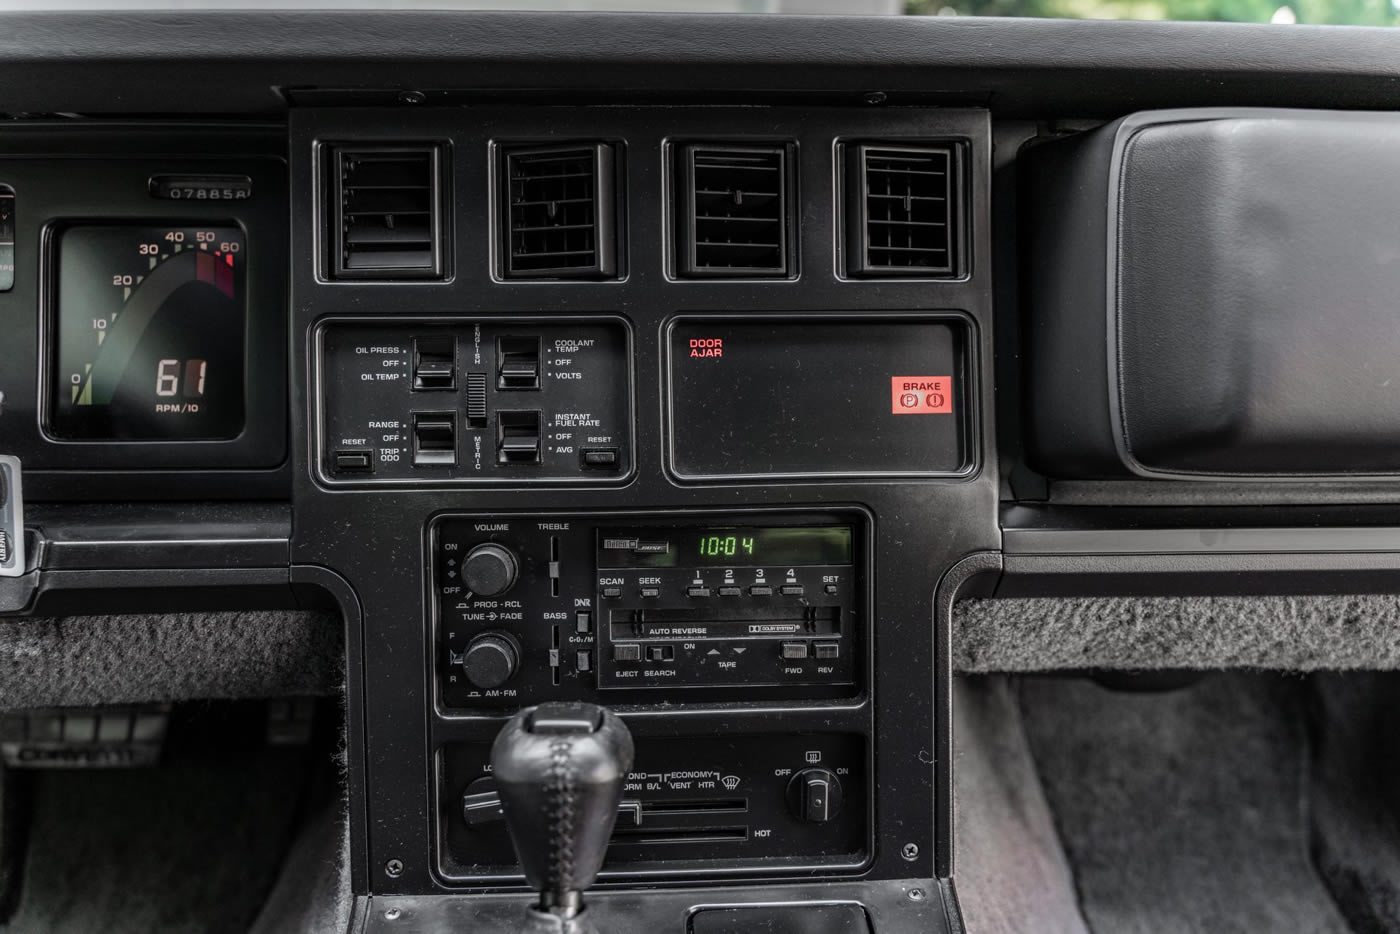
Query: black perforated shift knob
(560,770)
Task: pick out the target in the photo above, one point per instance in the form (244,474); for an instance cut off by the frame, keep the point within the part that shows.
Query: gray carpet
(1356,797)
(1183,811)
(190,848)
(1275,633)
(91,660)
(312,895)
(228,835)
(1012,875)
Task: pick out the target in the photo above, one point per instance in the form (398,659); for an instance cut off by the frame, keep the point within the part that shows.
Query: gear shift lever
(559,769)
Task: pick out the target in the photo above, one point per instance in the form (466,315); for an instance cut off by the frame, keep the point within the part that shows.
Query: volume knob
(490,661)
(489,570)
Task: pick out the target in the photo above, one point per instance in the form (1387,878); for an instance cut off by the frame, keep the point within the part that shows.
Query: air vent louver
(733,212)
(902,211)
(387,209)
(560,212)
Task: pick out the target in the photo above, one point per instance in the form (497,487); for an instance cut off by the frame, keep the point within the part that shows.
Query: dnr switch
(474,401)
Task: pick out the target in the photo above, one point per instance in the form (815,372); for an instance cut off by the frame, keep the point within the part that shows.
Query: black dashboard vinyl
(677,364)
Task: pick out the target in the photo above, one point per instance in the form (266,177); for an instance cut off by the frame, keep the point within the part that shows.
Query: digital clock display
(149,326)
(727,545)
(733,546)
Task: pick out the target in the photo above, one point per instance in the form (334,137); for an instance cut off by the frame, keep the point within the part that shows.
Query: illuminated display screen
(730,546)
(149,328)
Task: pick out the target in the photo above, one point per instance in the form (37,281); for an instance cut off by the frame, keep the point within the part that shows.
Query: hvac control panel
(618,610)
(779,801)
(510,401)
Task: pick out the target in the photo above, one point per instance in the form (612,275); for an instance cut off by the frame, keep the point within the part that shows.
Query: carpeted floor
(195,846)
(1241,803)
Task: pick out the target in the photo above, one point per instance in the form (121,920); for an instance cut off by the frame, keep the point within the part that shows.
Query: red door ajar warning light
(921,395)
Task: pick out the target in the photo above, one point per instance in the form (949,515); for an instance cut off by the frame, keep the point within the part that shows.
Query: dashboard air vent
(902,211)
(387,213)
(733,212)
(560,210)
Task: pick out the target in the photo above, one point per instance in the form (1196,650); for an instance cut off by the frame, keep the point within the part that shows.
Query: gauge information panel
(149,325)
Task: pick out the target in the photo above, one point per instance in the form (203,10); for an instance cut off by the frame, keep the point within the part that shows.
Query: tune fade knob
(490,661)
(489,570)
(814,796)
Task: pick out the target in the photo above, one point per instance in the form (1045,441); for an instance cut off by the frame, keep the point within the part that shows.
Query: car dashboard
(764,382)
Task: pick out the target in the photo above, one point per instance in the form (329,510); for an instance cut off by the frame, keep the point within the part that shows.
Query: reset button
(600,457)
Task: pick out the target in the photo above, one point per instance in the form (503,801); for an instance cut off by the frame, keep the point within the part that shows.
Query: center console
(680,412)
(662,616)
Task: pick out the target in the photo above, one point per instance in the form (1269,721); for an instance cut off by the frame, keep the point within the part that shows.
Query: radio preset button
(760,590)
(731,591)
(794,650)
(697,591)
(791,590)
(627,652)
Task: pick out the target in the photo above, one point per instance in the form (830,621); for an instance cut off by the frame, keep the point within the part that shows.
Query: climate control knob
(490,661)
(814,796)
(489,570)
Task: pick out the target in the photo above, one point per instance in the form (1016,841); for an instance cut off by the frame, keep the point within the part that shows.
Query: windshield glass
(1332,12)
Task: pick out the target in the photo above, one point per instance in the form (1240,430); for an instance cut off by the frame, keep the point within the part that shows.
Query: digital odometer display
(149,324)
(733,546)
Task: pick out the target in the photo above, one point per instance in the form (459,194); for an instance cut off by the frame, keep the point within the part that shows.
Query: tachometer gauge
(150,333)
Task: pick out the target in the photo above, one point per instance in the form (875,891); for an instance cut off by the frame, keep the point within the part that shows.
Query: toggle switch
(517,363)
(434,439)
(434,364)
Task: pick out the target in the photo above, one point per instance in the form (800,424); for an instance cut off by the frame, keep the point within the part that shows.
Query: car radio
(622,609)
